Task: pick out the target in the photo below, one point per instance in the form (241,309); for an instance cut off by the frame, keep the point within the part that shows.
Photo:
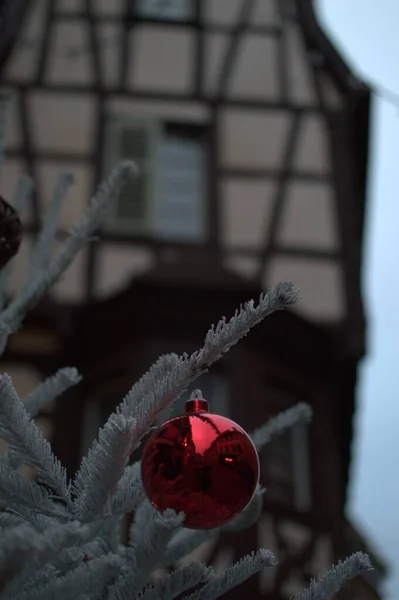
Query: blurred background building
(251,135)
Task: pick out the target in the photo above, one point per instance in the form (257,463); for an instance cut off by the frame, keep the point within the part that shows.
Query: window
(301,466)
(167,199)
(285,461)
(166,10)
(286,469)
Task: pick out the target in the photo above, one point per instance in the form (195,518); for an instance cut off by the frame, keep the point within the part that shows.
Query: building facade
(251,137)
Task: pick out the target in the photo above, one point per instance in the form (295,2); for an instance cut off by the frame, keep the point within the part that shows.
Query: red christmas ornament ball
(202,464)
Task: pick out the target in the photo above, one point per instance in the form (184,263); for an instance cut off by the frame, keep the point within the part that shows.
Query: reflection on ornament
(202,464)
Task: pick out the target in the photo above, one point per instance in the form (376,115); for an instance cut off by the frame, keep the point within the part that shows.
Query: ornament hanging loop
(196,403)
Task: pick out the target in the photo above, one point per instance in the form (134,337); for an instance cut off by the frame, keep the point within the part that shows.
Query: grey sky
(368,33)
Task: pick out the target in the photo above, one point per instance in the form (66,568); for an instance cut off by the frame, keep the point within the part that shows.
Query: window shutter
(277,466)
(179,212)
(301,466)
(136,140)
(174,10)
(285,461)
(287,468)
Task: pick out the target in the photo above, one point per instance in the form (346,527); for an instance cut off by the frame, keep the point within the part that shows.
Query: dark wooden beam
(233,48)
(280,196)
(90,274)
(126,52)
(305,252)
(88,284)
(12,17)
(282,63)
(164,96)
(125,239)
(213,205)
(53,156)
(273,174)
(266,30)
(29,155)
(341,149)
(199,49)
(228,173)
(94,45)
(46,43)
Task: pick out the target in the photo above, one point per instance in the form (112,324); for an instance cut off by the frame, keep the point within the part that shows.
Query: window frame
(158,129)
(295,487)
(190,19)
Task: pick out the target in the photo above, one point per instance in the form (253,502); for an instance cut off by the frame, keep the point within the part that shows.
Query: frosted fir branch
(129,492)
(17,490)
(184,542)
(79,236)
(59,547)
(41,579)
(170,376)
(9,519)
(178,582)
(150,542)
(26,551)
(331,582)
(249,515)
(45,244)
(22,192)
(52,387)
(108,540)
(24,438)
(90,579)
(41,397)
(226,334)
(158,371)
(71,557)
(187,540)
(234,575)
(13,549)
(301,413)
(144,515)
(163,392)
(41,521)
(103,467)
(36,572)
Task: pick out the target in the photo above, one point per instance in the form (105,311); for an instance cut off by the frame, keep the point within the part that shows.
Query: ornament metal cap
(196,403)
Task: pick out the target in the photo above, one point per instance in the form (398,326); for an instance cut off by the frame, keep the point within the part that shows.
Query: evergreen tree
(60,538)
